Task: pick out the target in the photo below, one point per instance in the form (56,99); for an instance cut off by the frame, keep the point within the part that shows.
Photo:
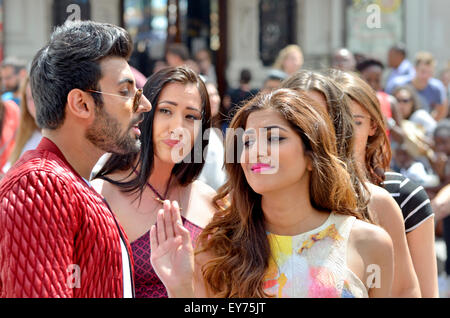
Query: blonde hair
(292,48)
(27,124)
(425,58)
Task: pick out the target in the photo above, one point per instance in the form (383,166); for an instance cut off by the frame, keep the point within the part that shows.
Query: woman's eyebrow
(275,127)
(176,104)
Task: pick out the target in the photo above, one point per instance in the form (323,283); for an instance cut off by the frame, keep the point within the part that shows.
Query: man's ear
(80,103)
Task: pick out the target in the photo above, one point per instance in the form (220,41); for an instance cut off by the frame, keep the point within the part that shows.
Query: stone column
(243,42)
(27,25)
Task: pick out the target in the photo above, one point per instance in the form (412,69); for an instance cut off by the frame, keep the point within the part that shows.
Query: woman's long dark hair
(142,162)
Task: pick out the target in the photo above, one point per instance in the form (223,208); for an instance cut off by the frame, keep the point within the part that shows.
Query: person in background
(441,194)
(410,108)
(343,59)
(177,54)
(29,134)
(431,90)
(58,236)
(445,79)
(400,65)
(441,162)
(235,97)
(292,228)
(9,119)
(418,274)
(380,207)
(289,60)
(213,173)
(273,81)
(13,72)
(207,69)
(405,162)
(371,70)
(140,78)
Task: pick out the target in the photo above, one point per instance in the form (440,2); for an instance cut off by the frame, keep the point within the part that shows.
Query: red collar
(48,145)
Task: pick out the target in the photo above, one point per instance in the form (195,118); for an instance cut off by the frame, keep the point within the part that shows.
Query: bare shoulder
(371,241)
(203,189)
(366,234)
(379,193)
(202,203)
(106,188)
(383,206)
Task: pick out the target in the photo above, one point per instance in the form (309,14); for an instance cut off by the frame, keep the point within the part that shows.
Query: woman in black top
(412,199)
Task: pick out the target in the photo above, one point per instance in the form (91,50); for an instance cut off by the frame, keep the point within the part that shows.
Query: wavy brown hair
(339,112)
(378,149)
(236,238)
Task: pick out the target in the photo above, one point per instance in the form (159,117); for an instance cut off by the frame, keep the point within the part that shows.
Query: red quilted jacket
(58,238)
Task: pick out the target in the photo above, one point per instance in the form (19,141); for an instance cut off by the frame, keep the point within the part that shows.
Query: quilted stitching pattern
(49,220)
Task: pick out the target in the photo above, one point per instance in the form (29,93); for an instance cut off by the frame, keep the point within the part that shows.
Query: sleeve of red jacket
(37,226)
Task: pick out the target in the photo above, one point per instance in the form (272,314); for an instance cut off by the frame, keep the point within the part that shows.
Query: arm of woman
(371,258)
(423,254)
(441,203)
(381,250)
(389,216)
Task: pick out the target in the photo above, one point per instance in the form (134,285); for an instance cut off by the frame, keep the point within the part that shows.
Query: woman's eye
(125,92)
(358,123)
(275,138)
(192,117)
(248,143)
(164,111)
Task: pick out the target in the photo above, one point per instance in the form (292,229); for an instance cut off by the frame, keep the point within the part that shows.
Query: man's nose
(144,105)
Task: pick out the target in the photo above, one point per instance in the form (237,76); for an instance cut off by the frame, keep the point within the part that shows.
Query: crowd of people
(320,183)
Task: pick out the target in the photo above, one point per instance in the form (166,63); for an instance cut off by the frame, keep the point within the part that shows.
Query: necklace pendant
(162,202)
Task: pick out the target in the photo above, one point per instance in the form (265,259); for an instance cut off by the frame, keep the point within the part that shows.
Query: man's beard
(105,133)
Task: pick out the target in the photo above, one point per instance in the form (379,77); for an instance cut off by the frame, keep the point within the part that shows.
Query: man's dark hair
(368,63)
(180,50)
(399,47)
(246,76)
(71,59)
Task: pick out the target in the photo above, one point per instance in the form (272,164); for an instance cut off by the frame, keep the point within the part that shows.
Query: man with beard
(58,236)
(12,71)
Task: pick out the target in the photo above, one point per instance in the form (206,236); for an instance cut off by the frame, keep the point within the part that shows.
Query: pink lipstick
(259,167)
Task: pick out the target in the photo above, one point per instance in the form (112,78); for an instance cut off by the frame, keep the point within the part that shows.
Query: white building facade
(318,26)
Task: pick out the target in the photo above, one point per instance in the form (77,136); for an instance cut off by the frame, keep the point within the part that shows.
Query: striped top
(411,197)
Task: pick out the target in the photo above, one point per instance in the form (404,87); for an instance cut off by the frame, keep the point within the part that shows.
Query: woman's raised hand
(172,254)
